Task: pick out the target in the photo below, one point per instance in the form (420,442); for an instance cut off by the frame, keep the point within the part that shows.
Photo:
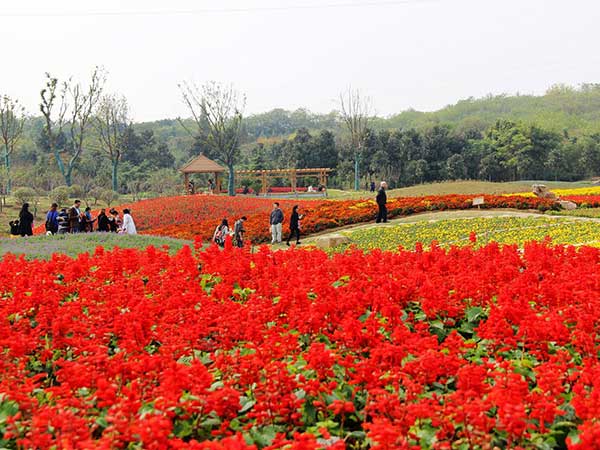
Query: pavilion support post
(186,183)
(217,182)
(293,180)
(263,189)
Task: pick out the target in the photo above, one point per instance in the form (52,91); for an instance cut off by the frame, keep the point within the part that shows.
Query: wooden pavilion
(292,174)
(201,164)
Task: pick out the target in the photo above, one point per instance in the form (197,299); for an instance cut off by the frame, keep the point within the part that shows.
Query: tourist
(74,216)
(239,231)
(128,226)
(15,230)
(114,221)
(276,220)
(52,219)
(381,200)
(63,221)
(221,233)
(211,186)
(25,221)
(372,186)
(295,225)
(86,223)
(103,221)
(191,187)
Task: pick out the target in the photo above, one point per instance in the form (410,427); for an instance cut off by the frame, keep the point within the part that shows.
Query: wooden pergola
(292,174)
(201,164)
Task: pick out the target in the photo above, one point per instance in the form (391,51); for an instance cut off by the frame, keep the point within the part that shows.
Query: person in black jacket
(25,221)
(295,225)
(381,200)
(103,221)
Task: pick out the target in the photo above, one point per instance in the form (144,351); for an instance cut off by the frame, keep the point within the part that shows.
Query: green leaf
(474,314)
(246,404)
(183,428)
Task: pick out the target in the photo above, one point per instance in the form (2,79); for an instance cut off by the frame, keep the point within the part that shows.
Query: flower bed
(478,231)
(429,349)
(189,216)
(319,214)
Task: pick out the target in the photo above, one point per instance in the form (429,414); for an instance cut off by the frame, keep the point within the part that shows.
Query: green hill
(560,108)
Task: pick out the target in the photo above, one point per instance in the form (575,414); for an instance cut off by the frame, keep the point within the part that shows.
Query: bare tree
(111,122)
(356,111)
(217,110)
(77,103)
(12,120)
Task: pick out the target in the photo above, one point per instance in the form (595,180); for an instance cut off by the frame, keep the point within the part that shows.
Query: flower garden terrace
(187,217)
(459,348)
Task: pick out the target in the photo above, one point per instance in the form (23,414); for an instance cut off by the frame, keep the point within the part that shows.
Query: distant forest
(555,136)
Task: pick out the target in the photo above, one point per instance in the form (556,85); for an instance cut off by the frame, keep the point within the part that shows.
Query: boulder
(331,240)
(565,204)
(541,191)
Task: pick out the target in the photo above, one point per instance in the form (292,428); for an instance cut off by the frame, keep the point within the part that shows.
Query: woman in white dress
(128,226)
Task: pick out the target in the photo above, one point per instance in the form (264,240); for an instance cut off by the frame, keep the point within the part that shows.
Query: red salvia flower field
(465,348)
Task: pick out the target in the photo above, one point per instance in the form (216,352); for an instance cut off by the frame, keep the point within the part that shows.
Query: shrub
(75,191)
(24,194)
(108,196)
(59,195)
(95,194)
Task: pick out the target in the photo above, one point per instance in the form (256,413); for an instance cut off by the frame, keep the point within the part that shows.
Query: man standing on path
(275,221)
(381,200)
(74,216)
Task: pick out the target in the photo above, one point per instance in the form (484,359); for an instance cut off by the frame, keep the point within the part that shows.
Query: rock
(565,204)
(541,191)
(331,240)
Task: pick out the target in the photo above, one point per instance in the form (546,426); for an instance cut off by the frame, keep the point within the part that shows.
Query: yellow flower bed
(591,190)
(504,230)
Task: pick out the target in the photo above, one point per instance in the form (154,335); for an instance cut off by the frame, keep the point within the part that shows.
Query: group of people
(238,232)
(191,187)
(74,220)
(275,222)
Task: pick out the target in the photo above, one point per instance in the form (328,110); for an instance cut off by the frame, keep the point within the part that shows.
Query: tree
(456,168)
(217,110)
(355,111)
(590,154)
(111,121)
(77,103)
(12,119)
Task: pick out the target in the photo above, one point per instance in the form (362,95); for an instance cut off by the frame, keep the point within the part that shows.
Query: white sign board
(478,201)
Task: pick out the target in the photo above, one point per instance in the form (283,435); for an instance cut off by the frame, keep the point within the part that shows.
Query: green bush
(24,195)
(59,195)
(75,191)
(95,194)
(108,196)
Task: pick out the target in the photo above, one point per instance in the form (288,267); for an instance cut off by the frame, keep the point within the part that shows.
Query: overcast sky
(422,54)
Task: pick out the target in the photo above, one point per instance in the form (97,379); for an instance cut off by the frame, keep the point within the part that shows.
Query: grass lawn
(43,247)
(579,212)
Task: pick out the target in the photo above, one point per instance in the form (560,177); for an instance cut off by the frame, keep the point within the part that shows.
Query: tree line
(506,151)
(86,136)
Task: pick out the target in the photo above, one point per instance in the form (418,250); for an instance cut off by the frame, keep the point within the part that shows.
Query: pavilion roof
(201,164)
